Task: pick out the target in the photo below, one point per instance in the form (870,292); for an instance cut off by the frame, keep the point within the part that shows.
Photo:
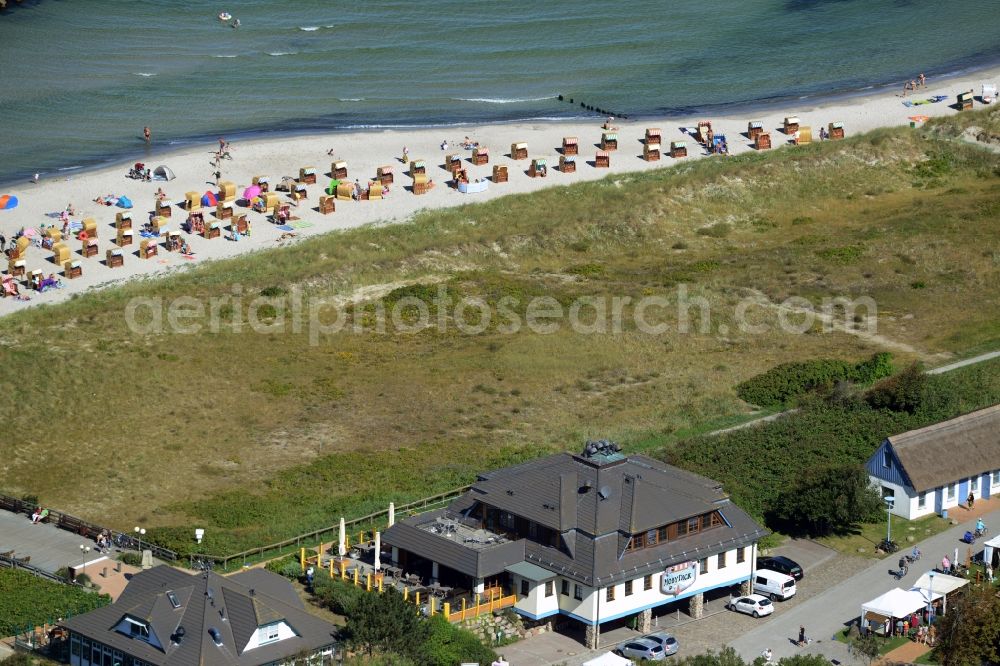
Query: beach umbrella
(392,514)
(124,202)
(378,551)
(30,232)
(341,547)
(8,201)
(251,192)
(208,199)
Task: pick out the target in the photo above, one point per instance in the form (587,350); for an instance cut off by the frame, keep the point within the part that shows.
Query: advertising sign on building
(678,578)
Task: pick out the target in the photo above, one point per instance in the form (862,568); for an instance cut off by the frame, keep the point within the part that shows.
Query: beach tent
(8,201)
(163,172)
(895,603)
(208,199)
(332,189)
(124,202)
(608,659)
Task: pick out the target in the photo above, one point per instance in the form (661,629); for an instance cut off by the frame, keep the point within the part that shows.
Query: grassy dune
(258,436)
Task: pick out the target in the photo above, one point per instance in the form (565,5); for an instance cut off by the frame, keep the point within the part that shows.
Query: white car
(753,604)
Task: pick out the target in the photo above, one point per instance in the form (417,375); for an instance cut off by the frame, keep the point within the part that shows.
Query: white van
(773,584)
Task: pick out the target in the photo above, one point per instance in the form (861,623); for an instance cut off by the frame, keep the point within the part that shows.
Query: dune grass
(260,436)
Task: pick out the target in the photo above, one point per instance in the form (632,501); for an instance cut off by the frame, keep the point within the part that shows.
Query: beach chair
(224,210)
(762,141)
(499,173)
(89,248)
(375,191)
(653,136)
(282,214)
(458,177)
(16,267)
(345,191)
(173,241)
(239,224)
(307,175)
(965,101)
(299,190)
(338,169)
(212,230)
(421,183)
(53,235)
(480,155)
(835,130)
(60,254)
(651,152)
(791,125)
(452,162)
(754,128)
(805,136)
(19,248)
(162,209)
(10,288)
(519,151)
(159,225)
(417,167)
(124,237)
(678,149)
(270,201)
(567,164)
(385,175)
(609,141)
(72,269)
(263,182)
(192,201)
(123,220)
(570,145)
(90,226)
(35,280)
(227,191)
(196,222)
(147,248)
(704,132)
(114,258)
(602,160)
(327,204)
(538,168)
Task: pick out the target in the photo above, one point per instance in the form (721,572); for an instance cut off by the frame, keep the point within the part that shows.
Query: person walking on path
(803,641)
(971,500)
(147,133)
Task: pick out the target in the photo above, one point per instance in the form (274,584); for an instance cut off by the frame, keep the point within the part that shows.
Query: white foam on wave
(282,53)
(351,99)
(146,74)
(501,100)
(224,56)
(70,168)
(309,28)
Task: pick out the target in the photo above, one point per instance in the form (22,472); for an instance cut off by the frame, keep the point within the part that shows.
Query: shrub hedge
(789,380)
(27,600)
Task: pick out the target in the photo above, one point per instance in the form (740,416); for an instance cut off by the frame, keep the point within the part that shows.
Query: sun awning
(532,572)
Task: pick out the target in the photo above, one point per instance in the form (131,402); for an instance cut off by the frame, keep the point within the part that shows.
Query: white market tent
(895,603)
(989,547)
(608,659)
(941,586)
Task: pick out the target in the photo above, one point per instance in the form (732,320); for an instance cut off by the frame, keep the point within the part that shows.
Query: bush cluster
(789,380)
(27,601)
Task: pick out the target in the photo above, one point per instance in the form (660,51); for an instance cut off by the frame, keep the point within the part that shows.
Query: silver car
(664,640)
(641,649)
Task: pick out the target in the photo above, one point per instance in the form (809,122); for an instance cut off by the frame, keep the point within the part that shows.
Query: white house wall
(284,631)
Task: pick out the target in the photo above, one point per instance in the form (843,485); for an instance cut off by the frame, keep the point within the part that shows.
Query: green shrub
(448,644)
(717,230)
(289,567)
(788,380)
(130,558)
(26,601)
(826,500)
(340,596)
(902,393)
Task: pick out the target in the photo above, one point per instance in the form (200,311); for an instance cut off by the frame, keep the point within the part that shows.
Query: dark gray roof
(951,450)
(235,606)
(564,492)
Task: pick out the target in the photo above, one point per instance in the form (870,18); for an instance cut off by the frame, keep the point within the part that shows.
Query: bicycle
(124,541)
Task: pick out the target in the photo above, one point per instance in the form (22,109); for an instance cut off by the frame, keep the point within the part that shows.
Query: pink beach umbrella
(30,232)
(251,192)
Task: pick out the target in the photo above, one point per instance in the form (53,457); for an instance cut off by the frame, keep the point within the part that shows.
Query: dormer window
(138,629)
(269,632)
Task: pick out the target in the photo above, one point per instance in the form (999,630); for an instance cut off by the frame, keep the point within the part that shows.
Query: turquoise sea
(79,80)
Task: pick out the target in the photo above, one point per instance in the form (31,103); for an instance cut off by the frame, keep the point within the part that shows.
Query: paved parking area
(49,547)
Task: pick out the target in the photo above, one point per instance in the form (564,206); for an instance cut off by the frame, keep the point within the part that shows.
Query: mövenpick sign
(678,578)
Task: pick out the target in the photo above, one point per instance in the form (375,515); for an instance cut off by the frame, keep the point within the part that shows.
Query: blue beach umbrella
(8,201)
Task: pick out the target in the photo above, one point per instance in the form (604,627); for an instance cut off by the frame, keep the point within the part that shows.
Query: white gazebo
(896,603)
(989,547)
(937,587)
(608,659)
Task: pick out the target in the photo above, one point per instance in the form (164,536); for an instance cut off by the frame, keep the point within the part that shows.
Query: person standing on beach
(146,132)
(218,177)
(923,80)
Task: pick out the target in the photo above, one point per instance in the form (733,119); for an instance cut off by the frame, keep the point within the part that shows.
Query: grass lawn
(926,658)
(886,645)
(863,541)
(260,436)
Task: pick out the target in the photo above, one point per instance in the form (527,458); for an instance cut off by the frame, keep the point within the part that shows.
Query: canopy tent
(208,199)
(124,202)
(990,549)
(163,172)
(894,603)
(608,659)
(940,587)
(8,201)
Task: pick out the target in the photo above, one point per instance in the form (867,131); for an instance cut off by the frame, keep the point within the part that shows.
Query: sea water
(79,80)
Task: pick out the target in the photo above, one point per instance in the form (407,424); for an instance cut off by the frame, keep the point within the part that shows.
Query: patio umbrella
(378,551)
(341,548)
(251,192)
(8,201)
(392,514)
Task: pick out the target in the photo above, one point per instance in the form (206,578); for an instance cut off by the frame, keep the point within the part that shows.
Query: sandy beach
(364,152)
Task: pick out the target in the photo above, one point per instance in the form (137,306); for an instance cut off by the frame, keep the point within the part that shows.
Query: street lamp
(140,532)
(83,551)
(930,596)
(889,502)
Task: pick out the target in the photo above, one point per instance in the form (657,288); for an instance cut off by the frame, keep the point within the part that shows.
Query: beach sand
(364,152)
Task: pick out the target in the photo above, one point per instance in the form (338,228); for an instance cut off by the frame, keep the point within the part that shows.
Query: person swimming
(236,23)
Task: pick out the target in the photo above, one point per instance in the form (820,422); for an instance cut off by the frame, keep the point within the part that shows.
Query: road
(828,612)
(962,364)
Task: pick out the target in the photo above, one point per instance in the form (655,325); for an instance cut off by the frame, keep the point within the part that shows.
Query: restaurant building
(595,537)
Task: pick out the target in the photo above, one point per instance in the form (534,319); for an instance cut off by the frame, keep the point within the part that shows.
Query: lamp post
(139,533)
(889,501)
(930,596)
(84,550)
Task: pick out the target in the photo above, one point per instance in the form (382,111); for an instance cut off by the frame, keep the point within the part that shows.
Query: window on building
(973,483)
(682,528)
(706,521)
(138,629)
(628,588)
(532,530)
(550,588)
(639,541)
(269,633)
(565,588)
(722,560)
(717,519)
(951,491)
(578,592)
(703,565)
(995,480)
(662,534)
(886,457)
(524,587)
(647,582)
(922,501)
(610,594)
(75,645)
(651,538)
(693,524)
(741,555)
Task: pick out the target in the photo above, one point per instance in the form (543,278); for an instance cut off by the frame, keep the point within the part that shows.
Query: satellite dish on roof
(604,492)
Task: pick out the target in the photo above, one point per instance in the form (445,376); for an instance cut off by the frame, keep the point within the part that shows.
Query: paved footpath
(828,612)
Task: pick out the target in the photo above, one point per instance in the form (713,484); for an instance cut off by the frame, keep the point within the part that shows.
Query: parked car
(753,604)
(781,564)
(773,584)
(665,640)
(641,649)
